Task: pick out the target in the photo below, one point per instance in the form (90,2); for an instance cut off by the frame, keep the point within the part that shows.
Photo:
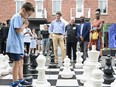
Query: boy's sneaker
(14,84)
(24,82)
(20,85)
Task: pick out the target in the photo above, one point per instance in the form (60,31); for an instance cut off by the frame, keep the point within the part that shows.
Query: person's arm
(63,32)
(51,28)
(101,25)
(78,33)
(88,30)
(17,25)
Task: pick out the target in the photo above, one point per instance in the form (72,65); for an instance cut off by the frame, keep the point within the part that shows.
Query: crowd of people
(22,39)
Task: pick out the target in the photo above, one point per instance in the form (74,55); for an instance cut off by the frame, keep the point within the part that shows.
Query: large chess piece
(33,64)
(67,73)
(96,79)
(26,73)
(41,80)
(79,60)
(108,71)
(52,62)
(90,64)
(4,65)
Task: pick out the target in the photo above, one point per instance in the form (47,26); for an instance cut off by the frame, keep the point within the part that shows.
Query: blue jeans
(45,45)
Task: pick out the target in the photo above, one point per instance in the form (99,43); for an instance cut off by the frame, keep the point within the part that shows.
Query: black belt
(58,33)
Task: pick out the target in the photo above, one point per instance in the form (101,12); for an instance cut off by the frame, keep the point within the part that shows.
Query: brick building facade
(68,9)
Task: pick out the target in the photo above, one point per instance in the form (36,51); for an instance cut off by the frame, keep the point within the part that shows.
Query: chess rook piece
(79,60)
(96,79)
(4,67)
(26,73)
(66,73)
(52,62)
(41,80)
(90,64)
(108,71)
(33,64)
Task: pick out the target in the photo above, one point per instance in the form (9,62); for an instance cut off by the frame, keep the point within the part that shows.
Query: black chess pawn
(108,71)
(33,64)
(26,73)
(52,62)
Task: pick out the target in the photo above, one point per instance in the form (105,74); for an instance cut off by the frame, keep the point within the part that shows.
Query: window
(19,5)
(103,5)
(56,6)
(39,8)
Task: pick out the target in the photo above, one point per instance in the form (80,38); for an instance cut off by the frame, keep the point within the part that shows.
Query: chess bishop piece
(41,80)
(26,73)
(66,73)
(108,71)
(4,67)
(79,60)
(90,64)
(33,64)
(96,79)
(52,62)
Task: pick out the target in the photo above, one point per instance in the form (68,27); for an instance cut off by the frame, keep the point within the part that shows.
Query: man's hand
(26,23)
(82,39)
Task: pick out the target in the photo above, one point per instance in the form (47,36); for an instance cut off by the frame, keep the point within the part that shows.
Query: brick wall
(7,9)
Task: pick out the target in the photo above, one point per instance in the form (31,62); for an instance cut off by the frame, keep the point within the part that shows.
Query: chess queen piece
(66,73)
(79,60)
(41,80)
(108,71)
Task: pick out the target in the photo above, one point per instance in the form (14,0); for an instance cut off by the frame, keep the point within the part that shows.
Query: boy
(15,43)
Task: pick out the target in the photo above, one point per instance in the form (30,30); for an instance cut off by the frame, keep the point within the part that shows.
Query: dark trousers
(84,49)
(3,48)
(70,46)
(27,45)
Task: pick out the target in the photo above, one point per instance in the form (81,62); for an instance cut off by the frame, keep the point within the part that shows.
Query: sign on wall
(112,36)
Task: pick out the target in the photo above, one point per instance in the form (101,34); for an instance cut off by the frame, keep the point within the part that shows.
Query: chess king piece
(4,67)
(96,79)
(79,60)
(26,73)
(41,80)
(66,73)
(90,64)
(33,64)
(108,71)
(52,62)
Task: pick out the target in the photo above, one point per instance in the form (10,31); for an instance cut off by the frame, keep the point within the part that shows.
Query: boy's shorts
(15,57)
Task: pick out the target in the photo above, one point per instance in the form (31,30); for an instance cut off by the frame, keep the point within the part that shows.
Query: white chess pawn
(41,80)
(67,73)
(4,67)
(79,60)
(96,79)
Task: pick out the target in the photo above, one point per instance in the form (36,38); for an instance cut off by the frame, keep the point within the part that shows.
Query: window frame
(53,13)
(106,7)
(16,4)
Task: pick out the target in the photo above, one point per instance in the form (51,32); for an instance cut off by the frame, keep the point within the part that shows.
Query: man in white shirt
(27,38)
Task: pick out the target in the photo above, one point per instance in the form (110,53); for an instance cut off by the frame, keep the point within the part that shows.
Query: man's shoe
(24,82)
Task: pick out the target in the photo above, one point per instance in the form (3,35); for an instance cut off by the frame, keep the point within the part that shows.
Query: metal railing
(86,12)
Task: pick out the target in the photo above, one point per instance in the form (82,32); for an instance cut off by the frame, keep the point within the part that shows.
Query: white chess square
(67,82)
